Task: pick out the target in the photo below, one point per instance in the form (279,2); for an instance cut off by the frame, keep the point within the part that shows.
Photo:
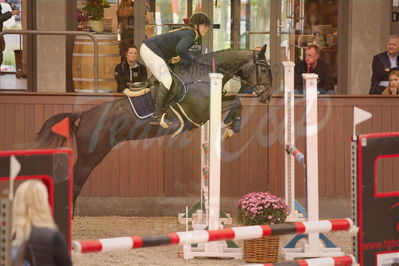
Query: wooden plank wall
(252,160)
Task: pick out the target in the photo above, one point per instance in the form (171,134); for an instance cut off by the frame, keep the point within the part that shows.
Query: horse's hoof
(236,128)
(236,125)
(228,133)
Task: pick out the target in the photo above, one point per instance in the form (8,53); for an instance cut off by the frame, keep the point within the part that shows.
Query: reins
(257,62)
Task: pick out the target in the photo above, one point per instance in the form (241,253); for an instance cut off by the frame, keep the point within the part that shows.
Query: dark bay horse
(99,129)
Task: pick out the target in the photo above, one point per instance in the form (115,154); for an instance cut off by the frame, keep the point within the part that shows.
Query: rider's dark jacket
(174,43)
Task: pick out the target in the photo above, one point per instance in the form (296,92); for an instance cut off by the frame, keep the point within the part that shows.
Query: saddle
(141,95)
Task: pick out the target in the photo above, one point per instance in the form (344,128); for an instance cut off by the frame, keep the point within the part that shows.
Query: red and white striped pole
(298,155)
(203,236)
(348,260)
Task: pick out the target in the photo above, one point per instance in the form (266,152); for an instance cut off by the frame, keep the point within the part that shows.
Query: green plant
(94,9)
(257,208)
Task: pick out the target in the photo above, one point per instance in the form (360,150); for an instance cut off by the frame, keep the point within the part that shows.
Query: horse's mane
(227,61)
(219,54)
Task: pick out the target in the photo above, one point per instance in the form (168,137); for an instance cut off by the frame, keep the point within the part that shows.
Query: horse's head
(257,73)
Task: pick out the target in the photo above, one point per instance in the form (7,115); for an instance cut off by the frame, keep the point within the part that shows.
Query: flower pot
(262,250)
(97,25)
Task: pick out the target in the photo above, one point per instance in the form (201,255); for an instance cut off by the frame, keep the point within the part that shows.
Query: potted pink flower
(259,208)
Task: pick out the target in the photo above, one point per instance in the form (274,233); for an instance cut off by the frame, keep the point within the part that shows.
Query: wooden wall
(252,160)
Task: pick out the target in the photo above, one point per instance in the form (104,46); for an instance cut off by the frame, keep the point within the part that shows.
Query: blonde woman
(393,86)
(34,225)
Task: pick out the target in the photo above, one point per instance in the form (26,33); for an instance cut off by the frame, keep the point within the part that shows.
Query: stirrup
(160,121)
(155,120)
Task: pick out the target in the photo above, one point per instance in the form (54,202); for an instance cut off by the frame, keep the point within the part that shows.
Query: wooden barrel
(83,60)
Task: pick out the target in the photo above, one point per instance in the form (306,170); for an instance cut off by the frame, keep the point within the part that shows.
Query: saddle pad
(143,106)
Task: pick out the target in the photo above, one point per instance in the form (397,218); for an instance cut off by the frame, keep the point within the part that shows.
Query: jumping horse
(98,130)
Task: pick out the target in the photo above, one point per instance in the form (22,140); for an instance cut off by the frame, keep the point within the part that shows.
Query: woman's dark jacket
(47,247)
(124,74)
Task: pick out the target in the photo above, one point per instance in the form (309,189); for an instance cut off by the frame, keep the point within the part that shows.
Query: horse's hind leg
(81,172)
(83,167)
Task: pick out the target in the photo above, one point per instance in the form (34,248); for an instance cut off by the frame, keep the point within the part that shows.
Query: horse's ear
(261,55)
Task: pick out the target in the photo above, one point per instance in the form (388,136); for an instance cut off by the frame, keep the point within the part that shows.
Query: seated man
(130,70)
(312,64)
(383,64)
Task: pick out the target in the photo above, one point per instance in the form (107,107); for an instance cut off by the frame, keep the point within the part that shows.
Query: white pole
(215,149)
(312,164)
(204,165)
(313,247)
(289,138)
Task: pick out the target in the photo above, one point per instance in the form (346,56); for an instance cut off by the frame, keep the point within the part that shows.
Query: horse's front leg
(233,105)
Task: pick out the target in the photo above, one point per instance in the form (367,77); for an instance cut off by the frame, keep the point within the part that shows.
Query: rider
(171,46)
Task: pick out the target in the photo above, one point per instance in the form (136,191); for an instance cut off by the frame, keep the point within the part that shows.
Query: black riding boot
(152,81)
(160,98)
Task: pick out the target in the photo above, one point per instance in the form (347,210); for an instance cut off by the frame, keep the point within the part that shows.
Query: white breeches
(157,66)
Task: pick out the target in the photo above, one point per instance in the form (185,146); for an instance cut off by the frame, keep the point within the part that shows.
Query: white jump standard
(211,194)
(313,247)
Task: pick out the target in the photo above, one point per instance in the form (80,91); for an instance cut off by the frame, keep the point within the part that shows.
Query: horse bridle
(260,62)
(257,62)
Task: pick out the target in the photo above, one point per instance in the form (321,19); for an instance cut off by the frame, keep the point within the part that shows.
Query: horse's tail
(47,138)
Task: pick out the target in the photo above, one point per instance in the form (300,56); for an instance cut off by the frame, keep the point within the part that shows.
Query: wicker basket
(262,250)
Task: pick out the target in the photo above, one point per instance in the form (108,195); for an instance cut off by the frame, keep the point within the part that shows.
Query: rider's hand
(175,60)
(15,12)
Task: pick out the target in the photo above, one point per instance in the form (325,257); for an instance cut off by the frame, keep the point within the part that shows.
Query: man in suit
(383,64)
(3,17)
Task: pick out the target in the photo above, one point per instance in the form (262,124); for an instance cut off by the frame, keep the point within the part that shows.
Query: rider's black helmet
(199,18)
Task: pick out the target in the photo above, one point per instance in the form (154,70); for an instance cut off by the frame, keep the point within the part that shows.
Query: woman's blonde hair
(30,207)
(394,73)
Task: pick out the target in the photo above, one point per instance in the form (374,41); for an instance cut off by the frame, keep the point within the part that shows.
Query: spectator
(34,225)
(393,87)
(383,64)
(312,64)
(4,17)
(129,70)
